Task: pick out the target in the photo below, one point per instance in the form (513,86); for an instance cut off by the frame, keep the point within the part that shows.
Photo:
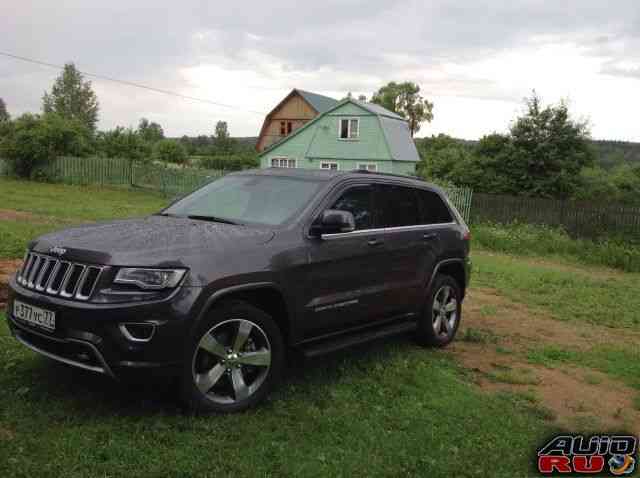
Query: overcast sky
(474,60)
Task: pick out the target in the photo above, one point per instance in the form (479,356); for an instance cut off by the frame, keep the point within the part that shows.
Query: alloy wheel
(445,311)
(231,361)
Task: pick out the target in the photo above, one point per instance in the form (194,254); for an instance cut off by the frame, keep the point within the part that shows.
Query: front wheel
(442,313)
(234,360)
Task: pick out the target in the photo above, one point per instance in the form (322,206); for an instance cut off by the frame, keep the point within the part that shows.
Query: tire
(233,360)
(434,328)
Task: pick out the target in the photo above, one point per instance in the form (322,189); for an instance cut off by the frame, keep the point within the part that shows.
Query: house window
(282,130)
(368,167)
(349,128)
(329,166)
(289,127)
(283,163)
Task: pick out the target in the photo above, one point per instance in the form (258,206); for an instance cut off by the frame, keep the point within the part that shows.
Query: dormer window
(349,128)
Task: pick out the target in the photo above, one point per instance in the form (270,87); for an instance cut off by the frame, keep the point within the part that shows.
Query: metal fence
(461,199)
(122,172)
(579,218)
(169,181)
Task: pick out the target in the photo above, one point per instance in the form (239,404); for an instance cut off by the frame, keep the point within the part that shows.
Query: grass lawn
(387,409)
(390,408)
(48,207)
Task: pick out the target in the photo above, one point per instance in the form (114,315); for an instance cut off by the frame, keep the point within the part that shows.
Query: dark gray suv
(217,288)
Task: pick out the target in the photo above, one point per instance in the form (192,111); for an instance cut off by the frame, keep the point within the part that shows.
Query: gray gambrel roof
(320,103)
(399,139)
(394,128)
(378,110)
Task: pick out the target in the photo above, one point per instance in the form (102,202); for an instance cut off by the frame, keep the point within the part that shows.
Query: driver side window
(357,200)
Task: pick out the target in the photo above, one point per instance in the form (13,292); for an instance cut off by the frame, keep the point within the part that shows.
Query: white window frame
(349,137)
(329,164)
(367,167)
(283,162)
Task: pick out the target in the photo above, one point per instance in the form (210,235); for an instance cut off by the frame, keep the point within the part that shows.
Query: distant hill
(608,153)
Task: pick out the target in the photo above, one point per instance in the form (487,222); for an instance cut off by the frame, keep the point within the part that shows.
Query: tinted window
(357,201)
(433,209)
(397,206)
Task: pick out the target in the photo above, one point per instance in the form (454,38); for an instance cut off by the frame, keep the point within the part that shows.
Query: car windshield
(267,200)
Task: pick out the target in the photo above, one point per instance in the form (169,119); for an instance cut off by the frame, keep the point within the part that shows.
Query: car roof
(328,175)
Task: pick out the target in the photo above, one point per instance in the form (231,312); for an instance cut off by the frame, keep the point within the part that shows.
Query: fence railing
(461,199)
(122,172)
(579,218)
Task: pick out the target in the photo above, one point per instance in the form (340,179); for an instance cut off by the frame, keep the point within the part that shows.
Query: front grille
(71,280)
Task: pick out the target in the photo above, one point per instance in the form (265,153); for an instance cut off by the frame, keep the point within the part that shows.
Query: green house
(351,135)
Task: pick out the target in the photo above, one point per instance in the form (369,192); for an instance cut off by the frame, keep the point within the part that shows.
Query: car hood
(154,241)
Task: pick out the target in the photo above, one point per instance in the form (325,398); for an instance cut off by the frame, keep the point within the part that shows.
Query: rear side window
(397,206)
(433,209)
(357,200)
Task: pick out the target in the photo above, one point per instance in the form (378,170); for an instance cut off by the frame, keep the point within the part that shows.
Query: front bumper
(89,335)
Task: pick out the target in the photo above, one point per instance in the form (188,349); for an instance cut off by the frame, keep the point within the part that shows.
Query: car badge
(58,251)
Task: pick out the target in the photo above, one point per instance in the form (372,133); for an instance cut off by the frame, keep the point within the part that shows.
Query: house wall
(296,110)
(320,142)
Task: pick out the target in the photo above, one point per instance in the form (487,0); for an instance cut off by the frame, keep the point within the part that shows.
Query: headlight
(150,279)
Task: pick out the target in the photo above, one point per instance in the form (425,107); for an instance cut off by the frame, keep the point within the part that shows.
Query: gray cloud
(359,43)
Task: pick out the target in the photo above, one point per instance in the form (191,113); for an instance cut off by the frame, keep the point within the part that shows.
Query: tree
(123,143)
(4,114)
(170,151)
(549,150)
(31,142)
(362,98)
(222,142)
(405,100)
(150,131)
(72,98)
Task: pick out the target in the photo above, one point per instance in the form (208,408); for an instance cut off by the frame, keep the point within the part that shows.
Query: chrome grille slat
(54,273)
(27,268)
(34,271)
(79,294)
(23,267)
(51,289)
(64,292)
(41,273)
(43,270)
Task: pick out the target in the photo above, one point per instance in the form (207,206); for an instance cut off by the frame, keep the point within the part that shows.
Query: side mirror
(333,221)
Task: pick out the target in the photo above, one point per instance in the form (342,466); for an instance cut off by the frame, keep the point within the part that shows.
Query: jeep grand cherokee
(218,287)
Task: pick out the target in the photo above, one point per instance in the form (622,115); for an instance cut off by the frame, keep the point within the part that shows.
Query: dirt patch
(7,268)
(577,398)
(6,434)
(11,215)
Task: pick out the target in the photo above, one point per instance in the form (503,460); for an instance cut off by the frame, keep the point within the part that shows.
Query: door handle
(428,236)
(374,242)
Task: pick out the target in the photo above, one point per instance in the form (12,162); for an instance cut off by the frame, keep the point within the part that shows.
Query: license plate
(34,315)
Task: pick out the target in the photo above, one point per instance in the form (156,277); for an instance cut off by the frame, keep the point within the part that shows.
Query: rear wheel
(442,313)
(234,360)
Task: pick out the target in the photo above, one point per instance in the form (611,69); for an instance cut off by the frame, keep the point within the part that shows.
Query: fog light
(138,332)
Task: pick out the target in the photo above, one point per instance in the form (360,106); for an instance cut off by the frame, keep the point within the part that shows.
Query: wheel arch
(453,268)
(266,296)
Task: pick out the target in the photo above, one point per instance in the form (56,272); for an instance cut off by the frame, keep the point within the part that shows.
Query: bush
(527,239)
(31,142)
(170,151)
(124,143)
(229,163)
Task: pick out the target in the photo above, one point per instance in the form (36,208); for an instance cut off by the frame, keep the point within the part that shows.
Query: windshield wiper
(214,219)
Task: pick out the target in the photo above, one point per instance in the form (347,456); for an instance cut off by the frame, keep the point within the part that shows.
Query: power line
(130,83)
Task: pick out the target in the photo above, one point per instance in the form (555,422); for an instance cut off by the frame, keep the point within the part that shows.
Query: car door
(346,272)
(409,243)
